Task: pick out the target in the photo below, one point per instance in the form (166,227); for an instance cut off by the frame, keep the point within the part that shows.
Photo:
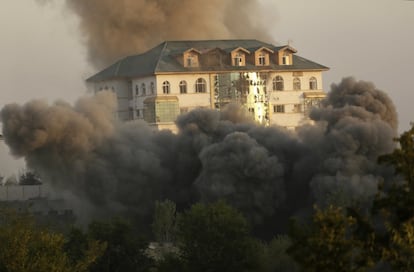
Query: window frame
(313,83)
(166,87)
(278,83)
(297,84)
(279,108)
(183,87)
(262,59)
(201,83)
(238,59)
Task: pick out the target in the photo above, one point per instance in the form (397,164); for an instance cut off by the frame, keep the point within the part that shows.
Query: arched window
(143,88)
(152,87)
(278,83)
(296,84)
(200,86)
(183,87)
(166,87)
(313,83)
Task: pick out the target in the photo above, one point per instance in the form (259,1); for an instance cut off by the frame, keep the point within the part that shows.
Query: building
(273,84)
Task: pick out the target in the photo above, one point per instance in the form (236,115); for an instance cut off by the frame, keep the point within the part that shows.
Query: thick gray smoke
(267,172)
(115,29)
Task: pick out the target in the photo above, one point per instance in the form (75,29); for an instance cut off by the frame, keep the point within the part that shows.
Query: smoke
(267,172)
(115,29)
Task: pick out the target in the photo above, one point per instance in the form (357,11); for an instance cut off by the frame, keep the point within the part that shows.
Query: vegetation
(165,221)
(24,247)
(216,237)
(343,239)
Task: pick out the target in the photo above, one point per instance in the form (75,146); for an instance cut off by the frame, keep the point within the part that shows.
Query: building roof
(163,59)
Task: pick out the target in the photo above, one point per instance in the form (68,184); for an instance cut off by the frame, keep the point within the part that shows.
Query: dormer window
(190,61)
(238,60)
(285,59)
(190,58)
(262,56)
(238,56)
(262,59)
(285,55)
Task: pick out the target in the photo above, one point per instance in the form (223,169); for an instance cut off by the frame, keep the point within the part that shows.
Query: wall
(122,88)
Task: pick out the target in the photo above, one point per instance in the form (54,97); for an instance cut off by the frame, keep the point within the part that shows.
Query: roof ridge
(159,56)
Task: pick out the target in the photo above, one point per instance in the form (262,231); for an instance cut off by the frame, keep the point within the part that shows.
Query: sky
(42,53)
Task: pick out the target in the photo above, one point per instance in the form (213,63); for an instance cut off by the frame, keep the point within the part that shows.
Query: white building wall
(122,89)
(292,100)
(138,96)
(191,99)
(131,101)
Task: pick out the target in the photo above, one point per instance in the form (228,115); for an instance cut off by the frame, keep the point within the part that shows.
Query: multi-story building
(273,84)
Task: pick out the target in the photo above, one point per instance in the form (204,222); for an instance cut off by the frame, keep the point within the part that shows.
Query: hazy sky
(42,55)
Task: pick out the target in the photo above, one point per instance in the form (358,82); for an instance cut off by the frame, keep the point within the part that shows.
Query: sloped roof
(163,59)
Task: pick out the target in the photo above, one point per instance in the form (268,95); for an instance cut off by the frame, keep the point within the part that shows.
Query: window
(166,87)
(183,87)
(136,90)
(138,114)
(143,88)
(278,83)
(200,86)
(285,59)
(297,108)
(262,59)
(296,84)
(238,60)
(279,108)
(313,84)
(190,61)
(152,87)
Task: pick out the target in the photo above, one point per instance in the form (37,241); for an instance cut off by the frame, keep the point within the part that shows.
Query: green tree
(26,247)
(215,237)
(164,226)
(395,206)
(341,239)
(275,256)
(397,202)
(330,243)
(29,177)
(125,250)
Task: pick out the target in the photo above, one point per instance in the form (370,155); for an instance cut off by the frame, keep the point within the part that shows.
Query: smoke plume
(269,173)
(115,29)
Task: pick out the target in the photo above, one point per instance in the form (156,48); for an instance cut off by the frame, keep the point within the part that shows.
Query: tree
(341,239)
(397,202)
(330,243)
(28,177)
(164,226)
(26,247)
(275,256)
(215,237)
(125,250)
